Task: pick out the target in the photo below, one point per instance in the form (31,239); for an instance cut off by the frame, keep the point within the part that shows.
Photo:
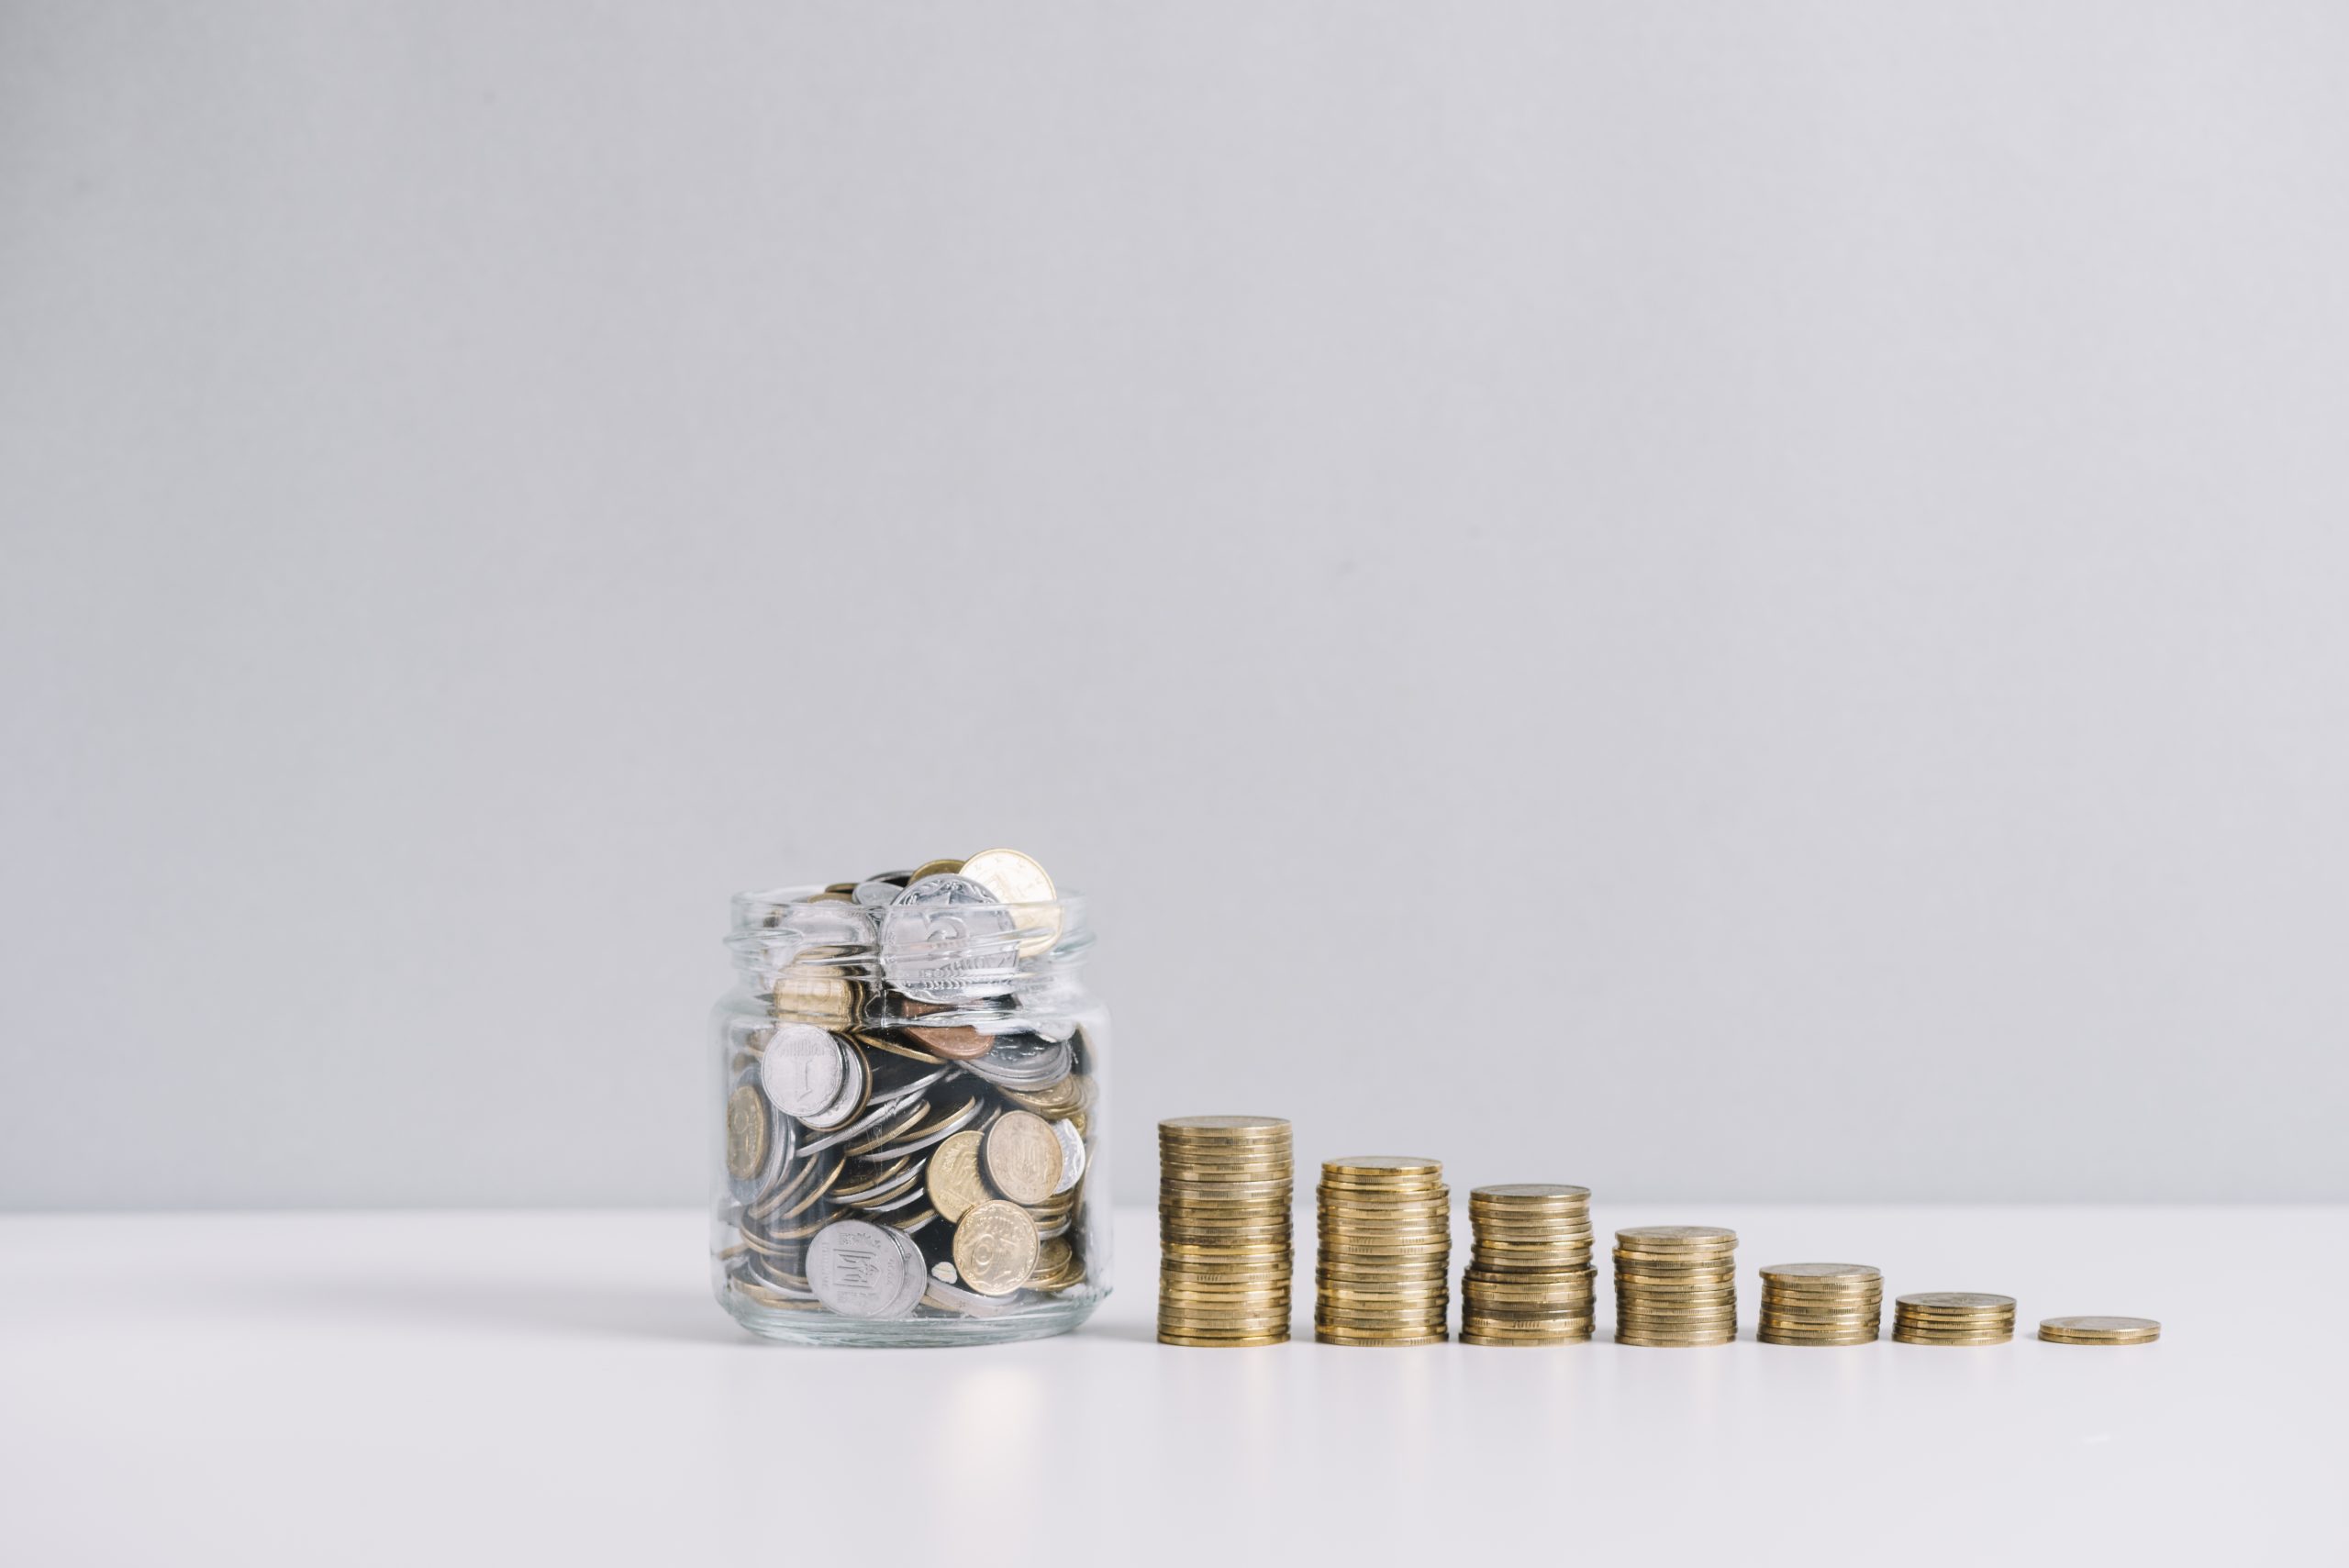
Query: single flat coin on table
(2099,1330)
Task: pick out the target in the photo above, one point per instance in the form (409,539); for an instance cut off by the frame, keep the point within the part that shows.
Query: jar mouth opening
(751,910)
(1005,945)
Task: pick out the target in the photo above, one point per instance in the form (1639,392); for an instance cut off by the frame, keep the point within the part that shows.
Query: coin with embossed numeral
(995,1247)
(947,938)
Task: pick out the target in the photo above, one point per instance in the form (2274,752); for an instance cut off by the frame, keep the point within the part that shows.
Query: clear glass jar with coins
(909,1099)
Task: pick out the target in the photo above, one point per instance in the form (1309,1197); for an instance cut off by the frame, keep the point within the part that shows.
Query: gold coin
(995,1247)
(1959,1301)
(1224,1127)
(1022,1157)
(1019,880)
(932,868)
(1823,1273)
(953,1180)
(747,1126)
(1679,1236)
(2099,1330)
(814,994)
(1529,1195)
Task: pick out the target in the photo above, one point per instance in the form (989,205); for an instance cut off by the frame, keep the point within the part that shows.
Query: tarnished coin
(1022,1157)
(957,1043)
(859,1268)
(947,938)
(1016,879)
(802,1068)
(995,1247)
(954,1181)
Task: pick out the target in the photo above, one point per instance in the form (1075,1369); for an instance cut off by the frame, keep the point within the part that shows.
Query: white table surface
(338,1388)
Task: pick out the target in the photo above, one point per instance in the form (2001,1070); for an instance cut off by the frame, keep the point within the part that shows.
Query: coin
(994,1247)
(2099,1330)
(957,1043)
(1072,1157)
(932,868)
(1016,879)
(1969,1302)
(746,1133)
(947,938)
(802,1068)
(859,1268)
(1225,1266)
(1022,1157)
(848,1104)
(953,1180)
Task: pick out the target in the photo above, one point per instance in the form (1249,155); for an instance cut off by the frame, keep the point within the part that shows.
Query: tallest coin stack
(1225,1184)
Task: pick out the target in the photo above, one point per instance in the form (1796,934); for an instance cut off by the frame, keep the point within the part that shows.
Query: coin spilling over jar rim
(909,1099)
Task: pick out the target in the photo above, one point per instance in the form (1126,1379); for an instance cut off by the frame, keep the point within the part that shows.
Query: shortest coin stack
(1953,1318)
(1385,1269)
(1820,1304)
(2099,1330)
(1529,1280)
(1225,1184)
(1676,1284)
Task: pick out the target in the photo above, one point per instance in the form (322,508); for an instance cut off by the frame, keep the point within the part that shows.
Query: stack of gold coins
(1676,1284)
(1225,1184)
(2099,1330)
(1953,1318)
(1820,1304)
(1385,1251)
(1529,1280)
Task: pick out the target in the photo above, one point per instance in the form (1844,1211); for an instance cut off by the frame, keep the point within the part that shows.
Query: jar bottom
(1036,1320)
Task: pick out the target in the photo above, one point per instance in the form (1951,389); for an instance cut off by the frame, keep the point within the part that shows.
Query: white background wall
(1719,600)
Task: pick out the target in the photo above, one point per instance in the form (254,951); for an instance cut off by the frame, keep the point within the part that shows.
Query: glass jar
(910,1095)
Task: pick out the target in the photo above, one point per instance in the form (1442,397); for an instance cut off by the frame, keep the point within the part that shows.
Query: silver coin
(944,1272)
(917,1274)
(947,938)
(858,1269)
(949,1297)
(938,1134)
(802,1068)
(1024,1061)
(875,890)
(844,1105)
(1072,1156)
(899,1099)
(902,1198)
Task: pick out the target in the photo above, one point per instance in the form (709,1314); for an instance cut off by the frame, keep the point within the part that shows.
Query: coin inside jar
(956,1042)
(995,1247)
(1016,879)
(802,1068)
(859,1268)
(746,1132)
(953,1180)
(1022,1157)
